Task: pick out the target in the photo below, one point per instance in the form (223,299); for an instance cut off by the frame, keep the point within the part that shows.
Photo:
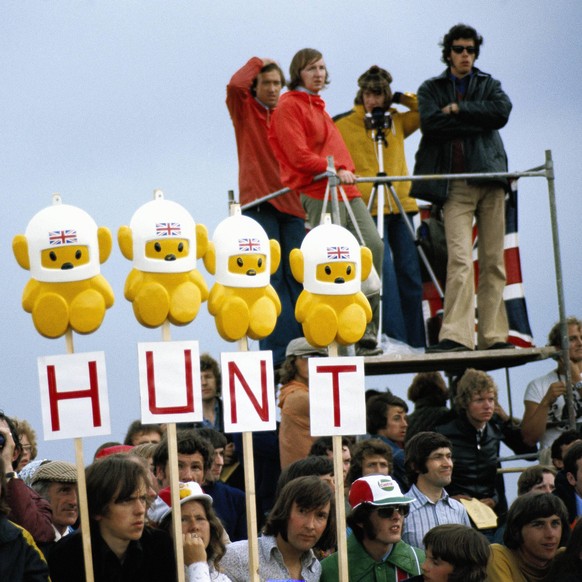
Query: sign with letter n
(248,391)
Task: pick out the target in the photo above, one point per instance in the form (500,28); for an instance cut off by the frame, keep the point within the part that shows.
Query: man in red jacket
(251,95)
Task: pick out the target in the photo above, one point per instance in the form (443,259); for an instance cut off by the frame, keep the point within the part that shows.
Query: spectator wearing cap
(402,317)
(56,481)
(375,548)
(202,531)
(122,546)
(295,438)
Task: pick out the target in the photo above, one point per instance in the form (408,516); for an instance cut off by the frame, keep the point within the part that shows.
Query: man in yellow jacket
(402,284)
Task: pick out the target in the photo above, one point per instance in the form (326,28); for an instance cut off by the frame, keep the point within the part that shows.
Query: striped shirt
(424,515)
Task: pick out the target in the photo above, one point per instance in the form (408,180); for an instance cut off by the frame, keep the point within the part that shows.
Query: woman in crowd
(202,532)
(303,135)
(537,525)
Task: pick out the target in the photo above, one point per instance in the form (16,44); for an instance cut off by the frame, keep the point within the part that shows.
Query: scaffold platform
(455,362)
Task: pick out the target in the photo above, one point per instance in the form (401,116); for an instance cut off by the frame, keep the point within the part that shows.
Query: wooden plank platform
(455,362)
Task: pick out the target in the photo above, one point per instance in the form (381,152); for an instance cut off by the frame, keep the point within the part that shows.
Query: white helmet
(330,244)
(57,227)
(239,235)
(161,220)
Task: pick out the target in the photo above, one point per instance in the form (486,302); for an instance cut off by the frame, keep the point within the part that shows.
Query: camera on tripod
(379,118)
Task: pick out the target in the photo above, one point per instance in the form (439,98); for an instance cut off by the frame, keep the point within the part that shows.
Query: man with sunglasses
(461,112)
(375,548)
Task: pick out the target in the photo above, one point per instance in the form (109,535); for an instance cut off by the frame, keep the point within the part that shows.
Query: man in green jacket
(376,552)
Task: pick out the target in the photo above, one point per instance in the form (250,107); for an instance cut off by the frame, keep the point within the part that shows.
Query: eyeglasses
(459,48)
(388,512)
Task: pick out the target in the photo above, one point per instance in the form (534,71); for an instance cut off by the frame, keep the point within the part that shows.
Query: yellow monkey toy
(243,258)
(62,248)
(164,243)
(331,265)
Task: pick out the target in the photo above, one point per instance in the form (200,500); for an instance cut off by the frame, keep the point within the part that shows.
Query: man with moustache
(375,548)
(429,467)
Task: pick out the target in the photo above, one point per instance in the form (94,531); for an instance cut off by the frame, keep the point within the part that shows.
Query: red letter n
(262,410)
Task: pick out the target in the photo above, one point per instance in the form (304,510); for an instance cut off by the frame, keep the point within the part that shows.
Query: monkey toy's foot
(151,305)
(50,315)
(184,304)
(87,311)
(232,320)
(320,326)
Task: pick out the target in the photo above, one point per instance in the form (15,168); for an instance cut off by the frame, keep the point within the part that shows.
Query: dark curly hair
(455,33)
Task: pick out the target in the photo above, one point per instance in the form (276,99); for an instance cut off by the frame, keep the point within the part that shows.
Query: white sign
(248,391)
(169,382)
(73,395)
(337,403)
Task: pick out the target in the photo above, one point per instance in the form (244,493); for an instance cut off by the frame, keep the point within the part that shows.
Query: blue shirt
(424,515)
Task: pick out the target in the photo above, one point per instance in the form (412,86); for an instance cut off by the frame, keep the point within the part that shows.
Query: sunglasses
(388,512)
(458,49)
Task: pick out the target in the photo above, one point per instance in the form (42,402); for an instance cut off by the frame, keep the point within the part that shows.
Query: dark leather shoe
(364,351)
(501,346)
(447,346)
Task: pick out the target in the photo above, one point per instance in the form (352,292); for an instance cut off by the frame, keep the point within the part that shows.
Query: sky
(105,101)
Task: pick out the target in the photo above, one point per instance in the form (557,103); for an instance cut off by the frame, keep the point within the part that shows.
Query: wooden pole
(250,493)
(340,508)
(174,481)
(82,489)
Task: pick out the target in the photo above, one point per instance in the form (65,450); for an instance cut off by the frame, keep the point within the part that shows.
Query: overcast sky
(104,101)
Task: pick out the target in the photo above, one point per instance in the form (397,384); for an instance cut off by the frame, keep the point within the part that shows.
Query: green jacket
(363,568)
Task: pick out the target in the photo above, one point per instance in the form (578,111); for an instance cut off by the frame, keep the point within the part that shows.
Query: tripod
(380,123)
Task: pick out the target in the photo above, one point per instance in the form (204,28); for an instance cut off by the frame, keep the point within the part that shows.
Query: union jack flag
(62,237)
(249,245)
(338,253)
(168,229)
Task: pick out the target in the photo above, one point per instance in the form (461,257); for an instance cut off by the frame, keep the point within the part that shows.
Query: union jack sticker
(164,229)
(249,245)
(62,237)
(338,253)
